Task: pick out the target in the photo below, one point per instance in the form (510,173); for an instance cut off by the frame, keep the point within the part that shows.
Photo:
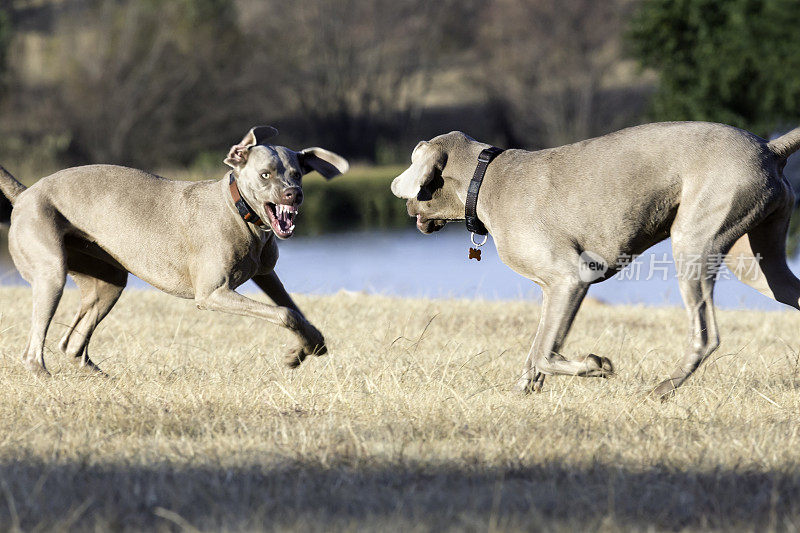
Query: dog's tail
(786,144)
(11,188)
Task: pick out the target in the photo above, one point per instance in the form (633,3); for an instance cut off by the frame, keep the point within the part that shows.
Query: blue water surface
(407,263)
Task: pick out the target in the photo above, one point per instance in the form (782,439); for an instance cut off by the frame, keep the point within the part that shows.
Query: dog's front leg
(560,303)
(273,287)
(531,379)
(229,301)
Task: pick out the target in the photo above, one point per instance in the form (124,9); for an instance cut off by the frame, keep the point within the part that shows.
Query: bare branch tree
(351,70)
(145,85)
(549,65)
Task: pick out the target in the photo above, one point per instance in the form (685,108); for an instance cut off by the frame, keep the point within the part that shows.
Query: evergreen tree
(730,61)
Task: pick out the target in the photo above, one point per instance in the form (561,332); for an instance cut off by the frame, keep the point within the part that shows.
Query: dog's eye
(265,175)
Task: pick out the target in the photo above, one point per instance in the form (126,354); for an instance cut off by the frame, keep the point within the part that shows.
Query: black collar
(245,211)
(471,205)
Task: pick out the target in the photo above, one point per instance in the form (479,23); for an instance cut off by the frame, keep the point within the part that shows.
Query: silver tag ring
(478,245)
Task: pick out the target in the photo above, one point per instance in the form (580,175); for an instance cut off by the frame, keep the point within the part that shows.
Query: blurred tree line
(161,83)
(167,83)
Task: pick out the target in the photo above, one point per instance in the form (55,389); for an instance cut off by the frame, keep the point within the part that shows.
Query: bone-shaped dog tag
(474,253)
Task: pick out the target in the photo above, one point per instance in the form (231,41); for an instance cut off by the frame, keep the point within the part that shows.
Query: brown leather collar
(245,211)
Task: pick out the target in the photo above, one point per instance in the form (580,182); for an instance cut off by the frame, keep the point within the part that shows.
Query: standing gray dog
(197,240)
(717,191)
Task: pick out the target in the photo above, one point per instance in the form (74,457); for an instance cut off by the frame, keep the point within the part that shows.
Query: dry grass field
(408,424)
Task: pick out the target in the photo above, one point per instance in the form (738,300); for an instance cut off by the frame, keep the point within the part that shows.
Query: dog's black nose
(293,196)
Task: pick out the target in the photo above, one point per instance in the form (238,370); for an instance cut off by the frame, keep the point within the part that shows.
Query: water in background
(407,263)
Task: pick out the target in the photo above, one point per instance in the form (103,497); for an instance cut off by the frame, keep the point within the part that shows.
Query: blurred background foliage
(169,85)
(357,202)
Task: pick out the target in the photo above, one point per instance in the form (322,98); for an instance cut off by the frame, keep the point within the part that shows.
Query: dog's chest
(252,257)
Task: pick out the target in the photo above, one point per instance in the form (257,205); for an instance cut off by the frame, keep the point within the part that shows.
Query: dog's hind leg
(560,303)
(758,259)
(99,292)
(42,262)
(697,289)
(47,290)
(711,227)
(701,237)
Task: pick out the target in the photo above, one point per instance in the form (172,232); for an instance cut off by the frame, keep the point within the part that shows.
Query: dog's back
(139,219)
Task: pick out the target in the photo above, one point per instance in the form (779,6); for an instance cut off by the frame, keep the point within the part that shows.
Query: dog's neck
(241,205)
(485,158)
(462,160)
(224,194)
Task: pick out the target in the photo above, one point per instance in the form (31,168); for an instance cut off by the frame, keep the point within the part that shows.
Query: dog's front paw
(665,391)
(523,386)
(88,366)
(316,349)
(35,368)
(298,355)
(527,384)
(313,341)
(598,367)
(295,357)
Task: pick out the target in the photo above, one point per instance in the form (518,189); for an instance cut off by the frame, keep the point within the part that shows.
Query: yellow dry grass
(407,424)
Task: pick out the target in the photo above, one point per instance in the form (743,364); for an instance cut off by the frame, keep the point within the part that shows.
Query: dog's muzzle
(426,225)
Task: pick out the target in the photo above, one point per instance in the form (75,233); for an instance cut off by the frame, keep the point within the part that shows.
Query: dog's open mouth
(281,219)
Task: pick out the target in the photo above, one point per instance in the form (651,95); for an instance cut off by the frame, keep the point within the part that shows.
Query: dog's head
(269,177)
(429,189)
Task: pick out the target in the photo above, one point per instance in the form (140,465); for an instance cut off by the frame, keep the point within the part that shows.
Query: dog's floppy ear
(426,160)
(323,161)
(237,155)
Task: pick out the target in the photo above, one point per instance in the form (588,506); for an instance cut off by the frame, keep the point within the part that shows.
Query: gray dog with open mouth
(198,240)
(717,191)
